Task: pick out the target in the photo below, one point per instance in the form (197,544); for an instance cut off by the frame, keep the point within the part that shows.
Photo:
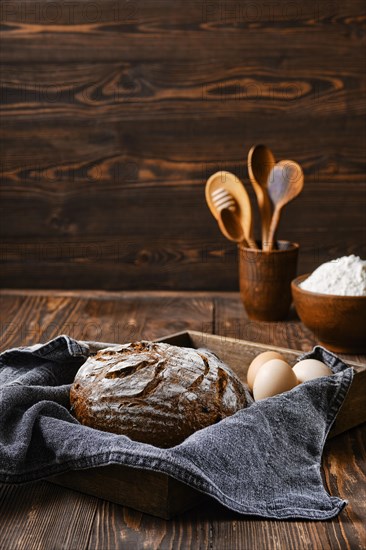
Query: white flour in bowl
(345,276)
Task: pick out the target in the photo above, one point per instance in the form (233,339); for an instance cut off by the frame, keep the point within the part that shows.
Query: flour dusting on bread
(155,392)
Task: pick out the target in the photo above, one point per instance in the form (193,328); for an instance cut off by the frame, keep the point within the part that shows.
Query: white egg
(275,376)
(257,363)
(308,369)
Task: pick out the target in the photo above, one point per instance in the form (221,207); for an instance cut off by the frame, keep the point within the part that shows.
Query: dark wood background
(115,112)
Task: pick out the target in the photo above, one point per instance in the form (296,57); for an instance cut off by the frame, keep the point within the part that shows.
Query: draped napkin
(264,460)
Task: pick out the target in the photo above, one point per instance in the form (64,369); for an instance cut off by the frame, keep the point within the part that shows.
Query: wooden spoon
(230,205)
(285,182)
(260,163)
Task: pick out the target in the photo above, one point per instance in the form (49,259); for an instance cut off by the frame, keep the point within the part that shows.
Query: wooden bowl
(338,322)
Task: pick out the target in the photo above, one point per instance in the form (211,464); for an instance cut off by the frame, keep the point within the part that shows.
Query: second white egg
(275,376)
(258,362)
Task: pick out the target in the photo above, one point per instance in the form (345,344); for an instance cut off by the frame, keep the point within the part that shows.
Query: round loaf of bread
(154,392)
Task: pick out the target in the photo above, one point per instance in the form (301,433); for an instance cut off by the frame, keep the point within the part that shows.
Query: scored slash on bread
(154,392)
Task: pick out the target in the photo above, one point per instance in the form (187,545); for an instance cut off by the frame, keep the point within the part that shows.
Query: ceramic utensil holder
(265,280)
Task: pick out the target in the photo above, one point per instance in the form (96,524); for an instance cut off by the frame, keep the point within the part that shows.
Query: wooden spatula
(230,205)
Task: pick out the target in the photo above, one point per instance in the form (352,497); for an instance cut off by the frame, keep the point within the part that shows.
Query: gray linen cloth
(265,460)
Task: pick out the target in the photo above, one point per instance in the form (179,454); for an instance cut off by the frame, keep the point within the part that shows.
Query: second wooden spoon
(285,182)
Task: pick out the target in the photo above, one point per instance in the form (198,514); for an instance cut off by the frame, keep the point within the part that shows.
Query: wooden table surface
(44,516)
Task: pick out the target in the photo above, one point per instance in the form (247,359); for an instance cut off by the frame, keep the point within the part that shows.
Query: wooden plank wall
(114,113)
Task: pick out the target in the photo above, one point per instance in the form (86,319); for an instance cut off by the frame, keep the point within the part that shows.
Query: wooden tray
(159,494)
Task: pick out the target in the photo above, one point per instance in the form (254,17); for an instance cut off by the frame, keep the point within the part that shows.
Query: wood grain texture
(33,517)
(116,527)
(143,25)
(32,317)
(41,515)
(115,113)
(173,90)
(341,459)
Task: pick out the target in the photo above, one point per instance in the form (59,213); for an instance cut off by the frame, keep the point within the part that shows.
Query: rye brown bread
(154,392)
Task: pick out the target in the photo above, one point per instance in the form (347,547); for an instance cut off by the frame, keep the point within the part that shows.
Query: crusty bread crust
(154,392)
